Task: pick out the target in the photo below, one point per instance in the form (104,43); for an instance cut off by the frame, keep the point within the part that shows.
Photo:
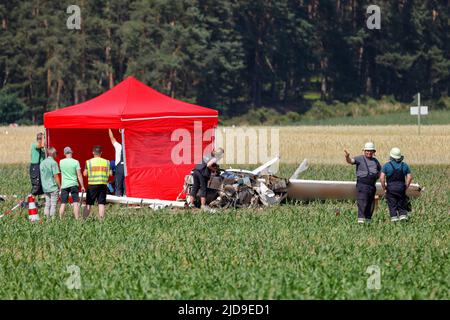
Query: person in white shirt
(119,176)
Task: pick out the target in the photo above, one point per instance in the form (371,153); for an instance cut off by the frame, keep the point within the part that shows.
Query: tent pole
(47,138)
(124,158)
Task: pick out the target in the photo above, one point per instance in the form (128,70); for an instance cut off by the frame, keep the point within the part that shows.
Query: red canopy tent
(163,138)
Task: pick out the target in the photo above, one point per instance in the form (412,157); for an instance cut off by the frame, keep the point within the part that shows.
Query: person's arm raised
(111,137)
(348,159)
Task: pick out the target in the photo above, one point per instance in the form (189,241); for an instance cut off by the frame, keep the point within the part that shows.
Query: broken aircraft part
(243,188)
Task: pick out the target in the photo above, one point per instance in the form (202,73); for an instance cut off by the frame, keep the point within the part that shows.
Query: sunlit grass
(295,251)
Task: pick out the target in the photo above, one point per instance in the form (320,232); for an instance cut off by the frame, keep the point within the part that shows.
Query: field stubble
(319,144)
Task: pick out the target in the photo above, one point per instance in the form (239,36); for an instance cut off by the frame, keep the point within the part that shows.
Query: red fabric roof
(130,99)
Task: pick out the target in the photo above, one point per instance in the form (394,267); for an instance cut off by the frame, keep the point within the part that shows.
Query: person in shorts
(98,171)
(71,176)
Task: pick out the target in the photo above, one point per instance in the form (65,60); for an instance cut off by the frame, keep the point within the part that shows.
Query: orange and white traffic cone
(32,209)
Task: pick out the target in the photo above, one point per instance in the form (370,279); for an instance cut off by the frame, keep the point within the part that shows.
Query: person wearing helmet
(367,173)
(398,176)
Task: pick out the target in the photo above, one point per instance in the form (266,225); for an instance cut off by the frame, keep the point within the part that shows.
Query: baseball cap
(67,150)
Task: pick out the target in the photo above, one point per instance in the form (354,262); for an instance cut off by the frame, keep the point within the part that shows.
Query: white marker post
(419,110)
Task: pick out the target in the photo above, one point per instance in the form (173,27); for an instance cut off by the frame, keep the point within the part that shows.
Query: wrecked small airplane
(236,188)
(240,188)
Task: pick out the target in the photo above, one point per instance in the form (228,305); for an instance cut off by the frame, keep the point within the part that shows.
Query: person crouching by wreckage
(201,175)
(367,173)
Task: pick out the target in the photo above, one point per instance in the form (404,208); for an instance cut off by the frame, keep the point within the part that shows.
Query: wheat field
(319,144)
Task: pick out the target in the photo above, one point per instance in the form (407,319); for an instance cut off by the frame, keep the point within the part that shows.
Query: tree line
(226,54)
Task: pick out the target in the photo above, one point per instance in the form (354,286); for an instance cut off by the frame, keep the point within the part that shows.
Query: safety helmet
(369,146)
(395,153)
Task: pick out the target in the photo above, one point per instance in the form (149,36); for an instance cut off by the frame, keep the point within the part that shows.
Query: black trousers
(200,182)
(35,177)
(396,199)
(366,200)
(119,179)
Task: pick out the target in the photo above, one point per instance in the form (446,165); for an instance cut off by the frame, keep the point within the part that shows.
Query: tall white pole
(418,113)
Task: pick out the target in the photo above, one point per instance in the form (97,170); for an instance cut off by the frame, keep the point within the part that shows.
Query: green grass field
(295,251)
(434,117)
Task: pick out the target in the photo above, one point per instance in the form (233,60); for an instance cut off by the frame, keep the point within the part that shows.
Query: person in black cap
(71,177)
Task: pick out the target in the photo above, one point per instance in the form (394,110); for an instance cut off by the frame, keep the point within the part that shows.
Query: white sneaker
(403,217)
(361,220)
(394,219)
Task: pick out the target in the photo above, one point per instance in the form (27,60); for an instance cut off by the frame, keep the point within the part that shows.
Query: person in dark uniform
(367,173)
(201,174)
(398,176)
(37,156)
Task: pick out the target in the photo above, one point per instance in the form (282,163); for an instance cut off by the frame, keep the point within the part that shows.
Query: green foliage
(362,111)
(295,251)
(435,117)
(361,107)
(12,109)
(231,56)
(443,103)
(263,116)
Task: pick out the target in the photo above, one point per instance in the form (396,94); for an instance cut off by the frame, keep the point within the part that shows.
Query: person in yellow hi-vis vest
(98,172)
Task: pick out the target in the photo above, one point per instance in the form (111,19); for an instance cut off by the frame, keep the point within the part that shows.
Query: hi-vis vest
(98,171)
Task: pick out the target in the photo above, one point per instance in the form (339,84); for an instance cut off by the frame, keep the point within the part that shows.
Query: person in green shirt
(37,156)
(71,176)
(50,182)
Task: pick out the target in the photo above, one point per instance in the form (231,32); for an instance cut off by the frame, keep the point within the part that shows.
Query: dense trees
(229,55)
